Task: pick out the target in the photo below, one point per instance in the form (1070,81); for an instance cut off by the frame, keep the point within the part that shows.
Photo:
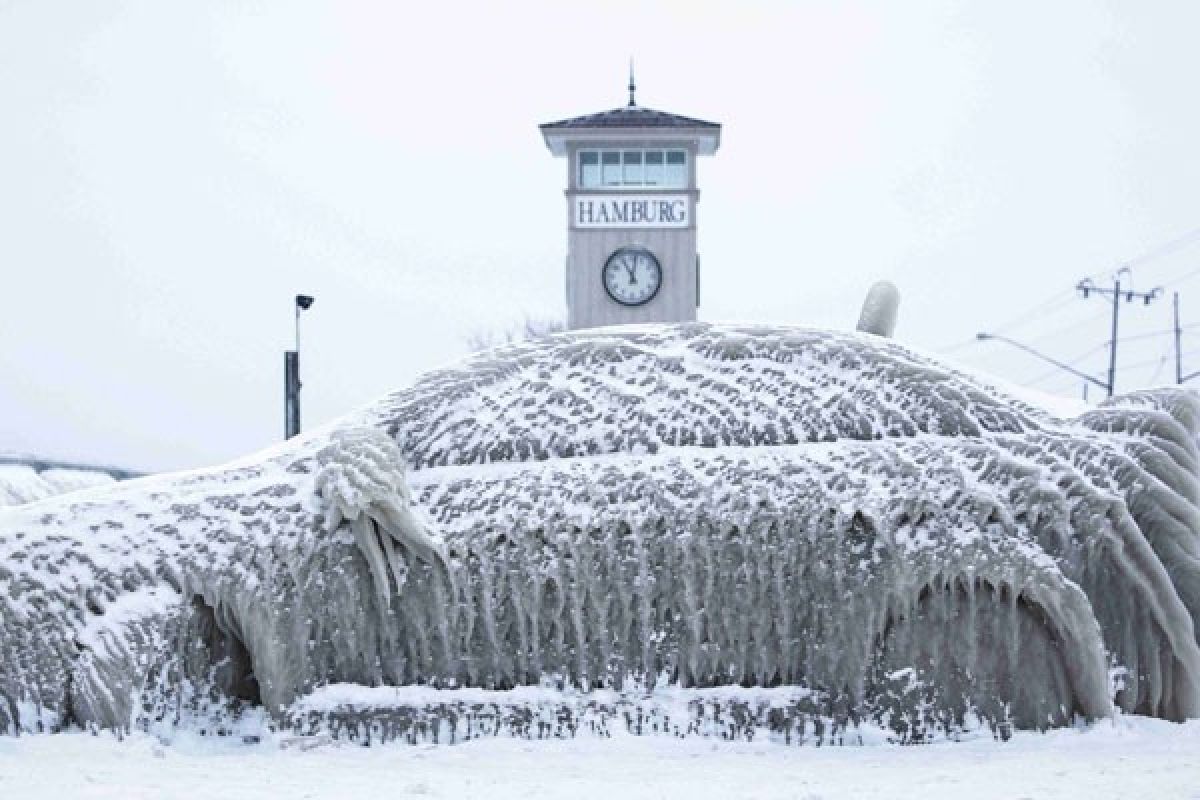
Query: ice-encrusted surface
(696,506)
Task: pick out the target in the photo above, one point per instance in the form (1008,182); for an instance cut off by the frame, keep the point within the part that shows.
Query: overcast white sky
(172,173)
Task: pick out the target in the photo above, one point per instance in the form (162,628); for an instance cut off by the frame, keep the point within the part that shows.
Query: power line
(1103,345)
(1074,362)
(1152,334)
(1164,249)
(985,336)
(1068,327)
(1057,299)
(1183,277)
(1154,253)
(1144,363)
(1161,363)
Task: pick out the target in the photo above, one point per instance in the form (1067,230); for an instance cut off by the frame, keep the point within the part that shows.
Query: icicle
(362,479)
(368,542)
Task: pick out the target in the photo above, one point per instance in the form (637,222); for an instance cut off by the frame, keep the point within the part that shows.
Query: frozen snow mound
(864,533)
(22,483)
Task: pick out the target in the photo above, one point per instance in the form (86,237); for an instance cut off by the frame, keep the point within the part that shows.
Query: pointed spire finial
(632,85)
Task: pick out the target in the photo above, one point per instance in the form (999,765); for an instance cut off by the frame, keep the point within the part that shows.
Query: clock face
(632,276)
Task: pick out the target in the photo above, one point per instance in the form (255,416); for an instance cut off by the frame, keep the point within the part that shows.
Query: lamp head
(303,301)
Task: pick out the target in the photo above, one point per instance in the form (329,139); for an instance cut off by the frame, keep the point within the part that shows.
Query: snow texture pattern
(621,510)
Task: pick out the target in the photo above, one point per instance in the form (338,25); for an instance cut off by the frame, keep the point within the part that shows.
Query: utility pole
(291,393)
(1178,343)
(1087,287)
(1180,378)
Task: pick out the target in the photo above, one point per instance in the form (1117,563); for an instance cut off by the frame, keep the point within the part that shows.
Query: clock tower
(631,213)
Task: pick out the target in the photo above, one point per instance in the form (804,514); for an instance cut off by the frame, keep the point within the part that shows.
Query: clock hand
(632,270)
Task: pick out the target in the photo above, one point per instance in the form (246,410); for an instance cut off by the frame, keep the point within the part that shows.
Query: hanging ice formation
(824,528)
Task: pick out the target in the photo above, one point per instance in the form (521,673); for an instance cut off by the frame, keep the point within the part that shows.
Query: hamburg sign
(630,211)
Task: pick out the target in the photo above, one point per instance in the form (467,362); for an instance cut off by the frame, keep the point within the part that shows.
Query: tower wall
(588,303)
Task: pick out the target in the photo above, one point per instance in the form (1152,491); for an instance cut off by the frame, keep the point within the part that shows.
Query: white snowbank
(20,484)
(339,695)
(1133,757)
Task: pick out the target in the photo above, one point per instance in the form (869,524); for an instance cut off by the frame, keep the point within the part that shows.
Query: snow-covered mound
(22,483)
(693,506)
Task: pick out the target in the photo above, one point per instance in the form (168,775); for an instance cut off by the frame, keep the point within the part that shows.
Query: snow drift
(857,530)
(21,483)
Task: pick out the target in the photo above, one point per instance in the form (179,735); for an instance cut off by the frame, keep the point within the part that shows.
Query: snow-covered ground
(1129,758)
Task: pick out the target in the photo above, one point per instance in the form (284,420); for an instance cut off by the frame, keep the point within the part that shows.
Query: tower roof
(632,119)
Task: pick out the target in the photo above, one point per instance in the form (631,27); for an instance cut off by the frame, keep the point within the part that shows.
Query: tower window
(632,175)
(676,168)
(654,168)
(612,167)
(589,168)
(604,169)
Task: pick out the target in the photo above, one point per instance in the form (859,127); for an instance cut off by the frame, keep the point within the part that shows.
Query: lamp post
(291,375)
(983,337)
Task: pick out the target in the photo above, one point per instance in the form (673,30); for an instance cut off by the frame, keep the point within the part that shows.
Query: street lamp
(983,337)
(291,375)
